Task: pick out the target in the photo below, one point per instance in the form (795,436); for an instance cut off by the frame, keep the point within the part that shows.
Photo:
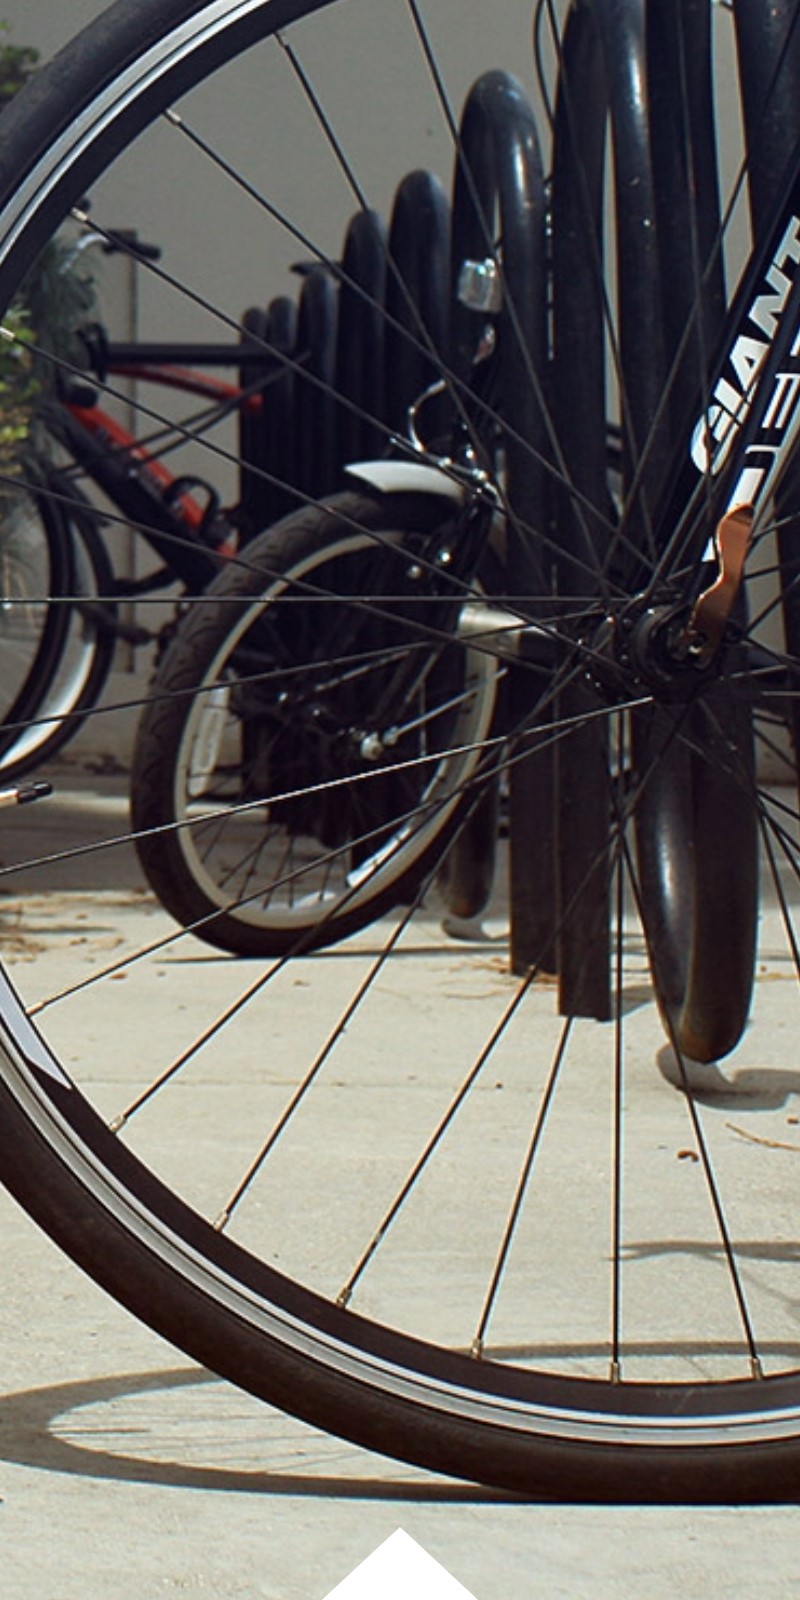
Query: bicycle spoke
(461,885)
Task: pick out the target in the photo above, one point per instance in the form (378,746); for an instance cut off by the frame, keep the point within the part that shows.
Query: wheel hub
(675,650)
(657,647)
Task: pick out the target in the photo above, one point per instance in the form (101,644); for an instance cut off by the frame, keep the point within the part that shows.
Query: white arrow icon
(398,1570)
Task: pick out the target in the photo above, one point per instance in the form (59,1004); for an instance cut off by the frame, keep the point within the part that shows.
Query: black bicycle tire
(301,543)
(51,723)
(296,1376)
(50,643)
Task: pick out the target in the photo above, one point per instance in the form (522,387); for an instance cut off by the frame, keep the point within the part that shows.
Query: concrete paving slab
(127,1472)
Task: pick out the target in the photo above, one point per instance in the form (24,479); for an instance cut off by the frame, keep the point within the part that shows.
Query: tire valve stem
(23,793)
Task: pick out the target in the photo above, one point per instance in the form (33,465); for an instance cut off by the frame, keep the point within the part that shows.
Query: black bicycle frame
(744,430)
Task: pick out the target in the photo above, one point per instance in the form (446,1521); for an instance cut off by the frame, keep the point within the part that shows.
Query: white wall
(47,25)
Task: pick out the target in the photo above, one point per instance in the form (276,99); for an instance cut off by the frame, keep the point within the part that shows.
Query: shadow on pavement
(39,1428)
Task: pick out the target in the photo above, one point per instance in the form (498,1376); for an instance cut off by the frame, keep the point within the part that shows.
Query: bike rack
(417,304)
(768,40)
(687,190)
(363,328)
(599,92)
(500,231)
(313,400)
(267,437)
(670,303)
(359,346)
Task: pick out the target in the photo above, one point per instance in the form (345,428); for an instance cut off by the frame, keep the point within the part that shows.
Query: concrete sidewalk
(127,1473)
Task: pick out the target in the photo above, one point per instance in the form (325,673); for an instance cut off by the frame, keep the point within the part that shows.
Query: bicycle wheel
(453,1213)
(56,649)
(265,695)
(34,557)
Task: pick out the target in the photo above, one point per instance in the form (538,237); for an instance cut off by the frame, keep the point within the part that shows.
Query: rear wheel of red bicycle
(57,636)
(34,560)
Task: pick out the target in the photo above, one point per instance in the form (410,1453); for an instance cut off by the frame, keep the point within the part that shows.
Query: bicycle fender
(406,477)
